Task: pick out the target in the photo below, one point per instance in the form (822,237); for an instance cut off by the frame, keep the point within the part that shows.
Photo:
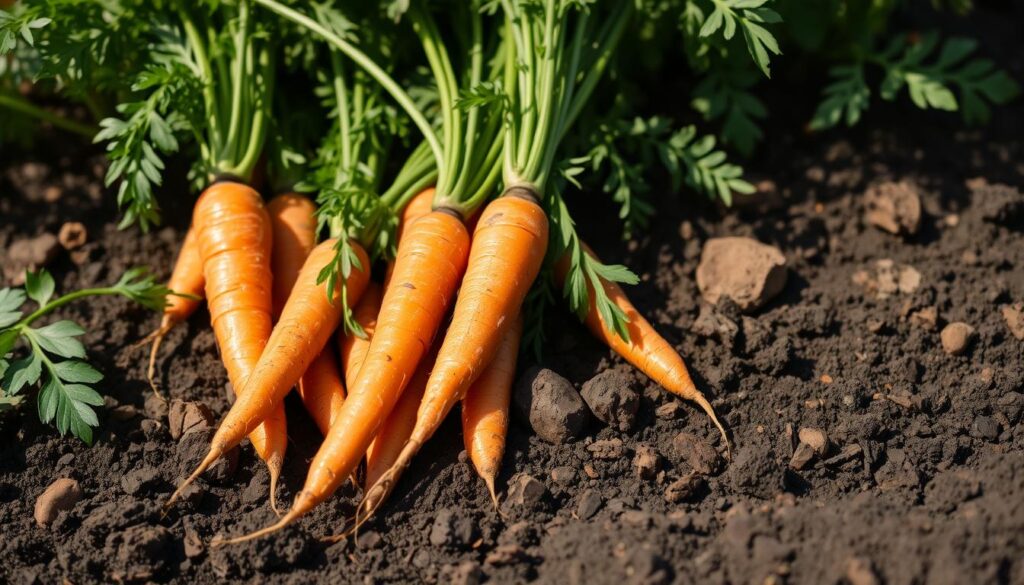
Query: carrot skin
(321,389)
(646,350)
(293,220)
(352,348)
(485,409)
(431,260)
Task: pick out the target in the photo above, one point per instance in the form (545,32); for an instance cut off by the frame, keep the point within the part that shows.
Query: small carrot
(431,259)
(648,351)
(293,220)
(187,278)
(485,409)
(508,249)
(352,348)
(321,389)
(307,322)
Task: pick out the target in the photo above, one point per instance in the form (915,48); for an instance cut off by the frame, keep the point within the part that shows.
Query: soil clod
(956,337)
(744,270)
(894,207)
(612,398)
(554,408)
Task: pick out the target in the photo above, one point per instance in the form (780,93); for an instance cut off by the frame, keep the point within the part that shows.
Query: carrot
(186,278)
(321,390)
(507,253)
(648,351)
(417,207)
(431,259)
(293,220)
(485,409)
(307,322)
(352,348)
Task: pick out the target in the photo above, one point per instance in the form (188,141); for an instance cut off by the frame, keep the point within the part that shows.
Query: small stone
(815,438)
(555,410)
(72,235)
(744,270)
(186,417)
(802,455)
(860,572)
(193,544)
(52,193)
(465,573)
(155,407)
(986,428)
(505,554)
(563,475)
(525,492)
(909,279)
(646,461)
(686,489)
(590,502)
(60,495)
(894,207)
(926,318)
(701,456)
(1014,317)
(30,254)
(607,449)
(956,337)
(123,413)
(669,411)
(952,220)
(612,398)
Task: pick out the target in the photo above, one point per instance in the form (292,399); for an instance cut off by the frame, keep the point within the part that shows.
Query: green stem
(205,70)
(61,301)
(361,59)
(241,38)
(344,135)
(23,106)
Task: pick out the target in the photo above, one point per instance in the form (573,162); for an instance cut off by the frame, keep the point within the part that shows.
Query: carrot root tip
(285,520)
(274,466)
(489,480)
(210,458)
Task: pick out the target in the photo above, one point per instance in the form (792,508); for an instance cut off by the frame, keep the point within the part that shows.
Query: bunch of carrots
(451,188)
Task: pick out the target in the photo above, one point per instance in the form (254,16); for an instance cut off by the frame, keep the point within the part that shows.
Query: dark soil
(923,480)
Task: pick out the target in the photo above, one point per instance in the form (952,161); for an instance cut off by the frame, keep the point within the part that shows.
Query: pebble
(894,207)
(686,489)
(1014,317)
(815,438)
(802,455)
(612,398)
(956,337)
(72,235)
(193,543)
(669,411)
(525,492)
(926,318)
(555,410)
(607,449)
(123,412)
(700,455)
(563,475)
(646,461)
(590,502)
(860,572)
(155,407)
(185,417)
(60,495)
(986,428)
(742,269)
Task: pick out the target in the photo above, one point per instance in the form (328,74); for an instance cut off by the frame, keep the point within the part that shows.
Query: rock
(646,461)
(525,492)
(123,413)
(985,427)
(607,449)
(814,438)
(1014,317)
(612,398)
(926,318)
(72,235)
(555,410)
(894,207)
(60,495)
(193,543)
(452,528)
(701,456)
(686,489)
(744,270)
(185,417)
(29,254)
(860,572)
(908,279)
(563,475)
(802,455)
(590,502)
(956,337)
(140,480)
(465,573)
(670,410)
(138,553)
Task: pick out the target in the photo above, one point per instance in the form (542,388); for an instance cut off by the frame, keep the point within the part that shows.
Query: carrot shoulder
(646,350)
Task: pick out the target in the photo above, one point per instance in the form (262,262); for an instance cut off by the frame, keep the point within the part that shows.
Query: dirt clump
(742,269)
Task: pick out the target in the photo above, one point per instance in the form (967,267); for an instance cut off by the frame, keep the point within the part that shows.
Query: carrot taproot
(431,259)
(507,252)
(321,389)
(352,348)
(293,220)
(646,350)
(485,409)
(187,277)
(307,321)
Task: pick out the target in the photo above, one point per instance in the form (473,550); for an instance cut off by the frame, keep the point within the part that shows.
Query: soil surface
(920,477)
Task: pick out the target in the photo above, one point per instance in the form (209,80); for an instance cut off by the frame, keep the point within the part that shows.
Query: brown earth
(921,478)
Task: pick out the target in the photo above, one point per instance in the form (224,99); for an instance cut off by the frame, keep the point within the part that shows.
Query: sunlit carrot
(485,409)
(293,220)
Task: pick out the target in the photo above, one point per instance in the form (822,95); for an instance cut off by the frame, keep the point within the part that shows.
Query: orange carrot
(507,253)
(648,351)
(321,389)
(308,320)
(186,278)
(352,348)
(485,409)
(420,205)
(293,220)
(431,259)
